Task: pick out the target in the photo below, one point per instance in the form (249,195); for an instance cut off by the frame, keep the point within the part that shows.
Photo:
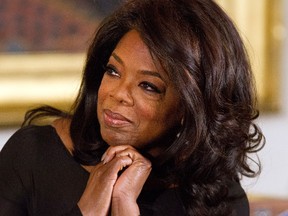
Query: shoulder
(19,157)
(31,131)
(25,142)
(30,134)
(238,199)
(161,202)
(169,203)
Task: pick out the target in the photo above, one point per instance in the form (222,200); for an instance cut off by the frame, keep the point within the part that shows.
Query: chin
(116,141)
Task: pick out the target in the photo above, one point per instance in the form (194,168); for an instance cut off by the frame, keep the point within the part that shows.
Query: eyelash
(150,87)
(147,86)
(111,71)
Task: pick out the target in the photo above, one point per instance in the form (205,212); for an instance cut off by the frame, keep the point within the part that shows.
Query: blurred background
(42,52)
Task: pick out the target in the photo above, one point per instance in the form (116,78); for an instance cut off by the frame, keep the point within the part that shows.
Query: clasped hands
(107,192)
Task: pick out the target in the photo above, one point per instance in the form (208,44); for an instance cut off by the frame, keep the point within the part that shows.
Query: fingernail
(103,156)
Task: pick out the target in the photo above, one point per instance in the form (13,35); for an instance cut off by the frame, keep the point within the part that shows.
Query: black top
(38,176)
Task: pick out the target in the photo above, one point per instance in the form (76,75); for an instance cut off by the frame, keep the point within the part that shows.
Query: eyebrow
(117,58)
(151,73)
(144,72)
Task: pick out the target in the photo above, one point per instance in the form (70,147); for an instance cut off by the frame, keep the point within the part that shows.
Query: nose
(122,92)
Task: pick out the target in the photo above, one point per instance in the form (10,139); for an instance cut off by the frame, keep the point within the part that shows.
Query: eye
(147,86)
(111,71)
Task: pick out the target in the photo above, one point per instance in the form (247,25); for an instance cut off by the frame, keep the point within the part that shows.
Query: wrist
(124,207)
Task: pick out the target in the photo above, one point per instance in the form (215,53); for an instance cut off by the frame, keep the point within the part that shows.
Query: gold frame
(260,22)
(28,80)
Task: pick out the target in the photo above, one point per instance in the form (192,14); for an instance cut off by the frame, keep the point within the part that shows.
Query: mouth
(113,119)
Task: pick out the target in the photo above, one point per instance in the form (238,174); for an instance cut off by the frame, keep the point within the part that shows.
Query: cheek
(100,96)
(102,92)
(146,111)
(150,117)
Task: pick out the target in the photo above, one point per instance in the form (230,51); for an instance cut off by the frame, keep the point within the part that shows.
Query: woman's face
(137,103)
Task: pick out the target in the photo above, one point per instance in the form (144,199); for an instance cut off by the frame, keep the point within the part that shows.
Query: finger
(110,170)
(107,157)
(130,153)
(112,151)
(139,161)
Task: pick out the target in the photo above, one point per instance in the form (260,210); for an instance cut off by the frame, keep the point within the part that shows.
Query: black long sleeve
(39,177)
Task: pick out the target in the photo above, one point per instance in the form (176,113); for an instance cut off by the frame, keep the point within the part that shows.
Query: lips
(115,119)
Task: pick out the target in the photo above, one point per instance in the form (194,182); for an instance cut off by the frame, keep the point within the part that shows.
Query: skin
(135,102)
(136,98)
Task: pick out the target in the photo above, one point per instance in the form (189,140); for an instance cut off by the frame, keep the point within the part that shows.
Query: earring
(181,123)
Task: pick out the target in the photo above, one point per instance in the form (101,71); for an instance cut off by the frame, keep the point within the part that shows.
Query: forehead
(132,47)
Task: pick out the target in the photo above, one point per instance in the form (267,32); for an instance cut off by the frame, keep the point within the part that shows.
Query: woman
(162,125)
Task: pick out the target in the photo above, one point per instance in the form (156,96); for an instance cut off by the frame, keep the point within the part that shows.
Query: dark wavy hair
(199,47)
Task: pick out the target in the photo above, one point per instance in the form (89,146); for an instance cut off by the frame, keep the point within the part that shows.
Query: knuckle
(122,160)
(145,164)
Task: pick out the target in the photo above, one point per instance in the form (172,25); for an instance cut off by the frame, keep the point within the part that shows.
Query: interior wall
(273,180)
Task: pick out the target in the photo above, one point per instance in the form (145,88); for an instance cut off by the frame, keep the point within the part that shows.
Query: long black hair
(199,47)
